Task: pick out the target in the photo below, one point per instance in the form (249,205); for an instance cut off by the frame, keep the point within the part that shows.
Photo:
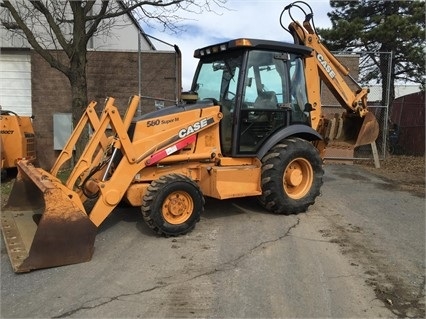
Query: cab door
(265,99)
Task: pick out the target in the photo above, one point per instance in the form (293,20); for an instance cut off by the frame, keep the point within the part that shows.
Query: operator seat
(266,100)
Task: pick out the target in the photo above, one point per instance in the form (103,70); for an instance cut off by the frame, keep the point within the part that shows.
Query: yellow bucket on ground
(44,224)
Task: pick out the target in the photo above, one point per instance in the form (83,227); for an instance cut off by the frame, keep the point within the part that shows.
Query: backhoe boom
(355,127)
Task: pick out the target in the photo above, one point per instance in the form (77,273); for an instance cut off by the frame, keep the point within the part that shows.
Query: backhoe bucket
(353,130)
(44,223)
(369,130)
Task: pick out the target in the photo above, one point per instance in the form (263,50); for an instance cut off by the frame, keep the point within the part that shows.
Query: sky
(241,18)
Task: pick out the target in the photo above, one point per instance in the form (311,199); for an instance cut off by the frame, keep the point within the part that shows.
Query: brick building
(110,74)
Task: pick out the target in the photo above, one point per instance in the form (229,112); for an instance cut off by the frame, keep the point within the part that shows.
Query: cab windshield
(217,79)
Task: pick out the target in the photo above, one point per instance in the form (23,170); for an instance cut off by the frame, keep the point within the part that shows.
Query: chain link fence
(370,70)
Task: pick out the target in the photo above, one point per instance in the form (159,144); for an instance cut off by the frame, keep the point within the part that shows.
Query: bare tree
(68,25)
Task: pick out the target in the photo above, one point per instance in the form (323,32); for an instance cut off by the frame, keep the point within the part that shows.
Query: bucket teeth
(15,245)
(351,130)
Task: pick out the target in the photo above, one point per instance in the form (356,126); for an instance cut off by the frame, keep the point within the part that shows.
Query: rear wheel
(172,205)
(291,177)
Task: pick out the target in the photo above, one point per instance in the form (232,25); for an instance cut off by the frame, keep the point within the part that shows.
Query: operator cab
(260,86)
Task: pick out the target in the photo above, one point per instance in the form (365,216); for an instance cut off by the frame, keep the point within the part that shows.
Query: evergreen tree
(381,26)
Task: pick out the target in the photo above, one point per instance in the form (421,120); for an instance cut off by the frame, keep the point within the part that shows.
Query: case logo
(194,127)
(326,66)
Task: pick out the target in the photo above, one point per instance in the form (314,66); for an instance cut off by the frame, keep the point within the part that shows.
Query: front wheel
(172,205)
(291,177)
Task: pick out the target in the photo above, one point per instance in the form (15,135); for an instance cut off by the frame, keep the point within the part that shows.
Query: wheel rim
(298,178)
(177,207)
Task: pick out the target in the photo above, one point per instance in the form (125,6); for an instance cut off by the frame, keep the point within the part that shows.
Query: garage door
(15,82)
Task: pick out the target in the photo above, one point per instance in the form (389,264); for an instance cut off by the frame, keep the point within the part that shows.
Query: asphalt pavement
(358,252)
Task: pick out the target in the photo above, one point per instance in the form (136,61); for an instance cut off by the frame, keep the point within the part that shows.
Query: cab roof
(248,43)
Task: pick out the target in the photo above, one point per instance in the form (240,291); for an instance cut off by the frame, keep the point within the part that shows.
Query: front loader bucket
(43,223)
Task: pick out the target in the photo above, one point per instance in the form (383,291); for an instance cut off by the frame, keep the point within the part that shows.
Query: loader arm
(89,116)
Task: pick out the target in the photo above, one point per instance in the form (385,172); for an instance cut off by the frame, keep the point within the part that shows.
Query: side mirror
(308,107)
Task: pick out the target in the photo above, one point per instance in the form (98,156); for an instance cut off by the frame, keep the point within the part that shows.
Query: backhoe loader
(251,125)
(17,140)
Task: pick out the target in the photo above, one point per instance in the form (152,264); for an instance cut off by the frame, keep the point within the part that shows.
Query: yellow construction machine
(17,140)
(250,126)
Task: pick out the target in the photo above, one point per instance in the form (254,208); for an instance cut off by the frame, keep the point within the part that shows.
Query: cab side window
(264,83)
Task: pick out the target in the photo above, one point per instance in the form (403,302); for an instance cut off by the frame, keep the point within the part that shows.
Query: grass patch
(63,175)
(6,187)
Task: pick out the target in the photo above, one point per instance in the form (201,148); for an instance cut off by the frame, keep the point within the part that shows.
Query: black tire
(172,205)
(291,177)
(3,175)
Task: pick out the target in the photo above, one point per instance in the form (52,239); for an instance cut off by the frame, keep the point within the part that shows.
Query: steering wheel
(232,94)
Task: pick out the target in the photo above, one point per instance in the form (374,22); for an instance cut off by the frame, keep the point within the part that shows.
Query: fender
(297,130)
